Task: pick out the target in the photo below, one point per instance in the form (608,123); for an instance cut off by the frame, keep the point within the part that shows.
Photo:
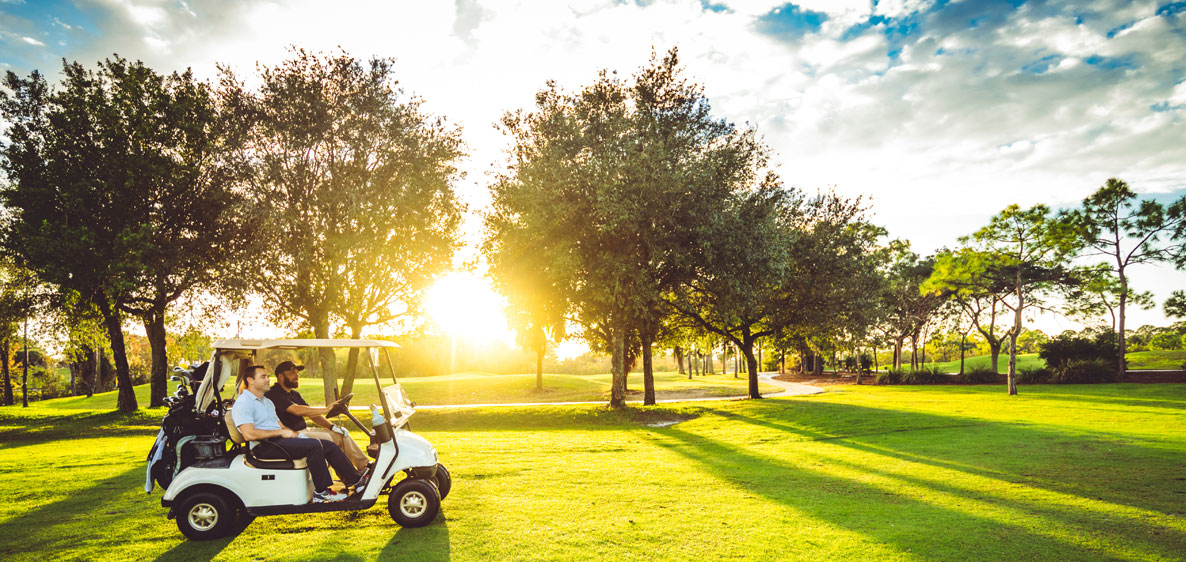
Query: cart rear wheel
(414,502)
(205,516)
(444,481)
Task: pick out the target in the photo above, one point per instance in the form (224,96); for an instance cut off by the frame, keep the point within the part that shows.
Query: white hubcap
(413,504)
(203,517)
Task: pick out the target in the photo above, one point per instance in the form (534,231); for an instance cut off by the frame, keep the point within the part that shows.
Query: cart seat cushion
(253,462)
(232,429)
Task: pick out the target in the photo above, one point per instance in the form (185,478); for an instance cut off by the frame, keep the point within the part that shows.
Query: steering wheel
(343,405)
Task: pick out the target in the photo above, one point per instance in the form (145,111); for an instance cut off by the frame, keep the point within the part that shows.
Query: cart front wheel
(205,516)
(414,503)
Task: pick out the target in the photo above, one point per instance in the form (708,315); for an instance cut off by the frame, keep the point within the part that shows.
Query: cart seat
(250,460)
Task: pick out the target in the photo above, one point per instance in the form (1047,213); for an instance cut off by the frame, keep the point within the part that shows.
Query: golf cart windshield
(365,359)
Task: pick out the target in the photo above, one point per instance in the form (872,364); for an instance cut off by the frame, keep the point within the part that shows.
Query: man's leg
(337,459)
(346,444)
(311,450)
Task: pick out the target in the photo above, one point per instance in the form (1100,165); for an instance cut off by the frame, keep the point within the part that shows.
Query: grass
(1136,360)
(483,388)
(858,473)
(1170,360)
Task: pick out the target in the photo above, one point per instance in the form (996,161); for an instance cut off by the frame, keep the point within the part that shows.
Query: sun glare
(464,306)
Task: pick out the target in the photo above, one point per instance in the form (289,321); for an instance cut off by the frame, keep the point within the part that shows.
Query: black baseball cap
(286,365)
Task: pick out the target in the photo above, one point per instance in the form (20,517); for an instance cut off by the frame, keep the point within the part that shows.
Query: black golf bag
(186,435)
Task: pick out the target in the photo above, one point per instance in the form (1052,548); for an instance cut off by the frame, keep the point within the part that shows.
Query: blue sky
(941,112)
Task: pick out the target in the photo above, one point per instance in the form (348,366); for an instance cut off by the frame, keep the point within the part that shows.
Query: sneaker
(327,496)
(363,478)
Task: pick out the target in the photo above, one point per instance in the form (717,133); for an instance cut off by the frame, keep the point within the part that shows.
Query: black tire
(205,515)
(414,502)
(444,481)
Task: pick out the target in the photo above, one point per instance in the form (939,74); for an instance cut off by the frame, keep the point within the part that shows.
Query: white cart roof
(298,343)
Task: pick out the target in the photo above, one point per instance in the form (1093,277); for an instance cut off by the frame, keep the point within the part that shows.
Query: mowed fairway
(485,388)
(857,473)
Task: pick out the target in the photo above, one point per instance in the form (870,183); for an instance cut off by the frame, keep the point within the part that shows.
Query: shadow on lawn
(938,531)
(38,429)
(111,511)
(425,543)
(1094,465)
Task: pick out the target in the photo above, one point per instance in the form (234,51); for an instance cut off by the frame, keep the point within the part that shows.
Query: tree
(966,272)
(608,187)
(1027,250)
(1096,292)
(354,188)
(1175,305)
(20,297)
(1126,231)
(121,193)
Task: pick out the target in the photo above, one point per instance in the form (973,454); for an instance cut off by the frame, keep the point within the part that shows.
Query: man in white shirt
(255,416)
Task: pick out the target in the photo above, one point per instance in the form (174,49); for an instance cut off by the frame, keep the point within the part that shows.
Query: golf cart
(214,491)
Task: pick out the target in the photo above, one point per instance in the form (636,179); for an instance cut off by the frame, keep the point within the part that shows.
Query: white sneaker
(328,496)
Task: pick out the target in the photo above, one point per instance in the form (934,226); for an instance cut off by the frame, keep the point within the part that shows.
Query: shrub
(979,375)
(1085,345)
(1084,371)
(890,376)
(1033,375)
(922,376)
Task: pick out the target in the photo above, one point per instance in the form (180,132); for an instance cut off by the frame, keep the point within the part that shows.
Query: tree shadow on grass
(186,550)
(901,520)
(111,517)
(1095,465)
(38,429)
(430,542)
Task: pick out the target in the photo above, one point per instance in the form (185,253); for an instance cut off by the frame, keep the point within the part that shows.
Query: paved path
(789,389)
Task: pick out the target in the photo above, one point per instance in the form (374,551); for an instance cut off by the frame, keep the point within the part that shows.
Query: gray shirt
(259,412)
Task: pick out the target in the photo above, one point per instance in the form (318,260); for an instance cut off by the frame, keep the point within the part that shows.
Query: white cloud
(33,41)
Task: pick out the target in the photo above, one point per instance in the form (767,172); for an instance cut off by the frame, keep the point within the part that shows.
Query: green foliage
(1175,305)
(978,375)
(354,187)
(1086,345)
(920,376)
(1033,375)
(1083,371)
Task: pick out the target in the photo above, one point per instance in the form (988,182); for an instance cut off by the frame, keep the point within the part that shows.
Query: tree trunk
(648,374)
(751,363)
(617,397)
(539,366)
(689,365)
(351,361)
(679,358)
(25,370)
(154,326)
(4,357)
(876,367)
(1013,337)
(759,355)
(325,356)
(963,349)
(126,399)
(1121,367)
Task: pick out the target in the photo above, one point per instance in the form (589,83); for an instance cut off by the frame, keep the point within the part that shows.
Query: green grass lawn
(1136,360)
(483,388)
(1156,359)
(1064,472)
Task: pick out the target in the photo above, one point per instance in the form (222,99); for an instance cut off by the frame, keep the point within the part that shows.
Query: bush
(1085,345)
(1084,371)
(1033,375)
(922,376)
(979,375)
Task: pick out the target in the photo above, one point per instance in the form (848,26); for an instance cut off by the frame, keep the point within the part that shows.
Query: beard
(292,382)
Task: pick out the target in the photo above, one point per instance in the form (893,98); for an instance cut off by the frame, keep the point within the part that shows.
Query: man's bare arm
(250,433)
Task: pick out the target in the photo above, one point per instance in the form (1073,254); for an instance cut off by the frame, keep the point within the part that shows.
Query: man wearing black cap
(292,410)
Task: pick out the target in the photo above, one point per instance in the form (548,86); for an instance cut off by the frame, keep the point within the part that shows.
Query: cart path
(789,389)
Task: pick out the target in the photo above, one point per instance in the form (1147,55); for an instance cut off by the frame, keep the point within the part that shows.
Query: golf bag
(186,435)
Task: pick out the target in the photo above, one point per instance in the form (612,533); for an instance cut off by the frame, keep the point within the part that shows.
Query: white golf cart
(214,492)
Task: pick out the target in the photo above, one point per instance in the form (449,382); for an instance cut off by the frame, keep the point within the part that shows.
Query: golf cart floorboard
(344,505)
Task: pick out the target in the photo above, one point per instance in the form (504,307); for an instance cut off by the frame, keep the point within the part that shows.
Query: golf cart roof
(299,343)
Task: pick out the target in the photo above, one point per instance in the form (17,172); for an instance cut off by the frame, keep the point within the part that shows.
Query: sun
(464,306)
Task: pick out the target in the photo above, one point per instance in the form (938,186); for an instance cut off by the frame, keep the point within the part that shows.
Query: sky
(939,113)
